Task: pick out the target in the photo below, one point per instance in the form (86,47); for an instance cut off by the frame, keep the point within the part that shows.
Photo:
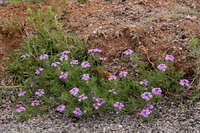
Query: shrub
(60,73)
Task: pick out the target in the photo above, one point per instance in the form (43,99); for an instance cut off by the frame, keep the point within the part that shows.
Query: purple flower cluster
(39,93)
(20,109)
(113,77)
(65,52)
(112,91)
(123,74)
(162,67)
(119,105)
(77,111)
(74,91)
(149,106)
(63,75)
(99,102)
(60,108)
(22,94)
(184,82)
(128,52)
(3,2)
(44,56)
(64,55)
(55,64)
(35,103)
(85,76)
(169,58)
(146,111)
(25,55)
(146,95)
(85,64)
(144,82)
(39,70)
(156,91)
(96,50)
(74,62)
(103,58)
(82,97)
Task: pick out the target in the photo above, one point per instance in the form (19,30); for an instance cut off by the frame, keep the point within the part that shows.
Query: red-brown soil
(150,27)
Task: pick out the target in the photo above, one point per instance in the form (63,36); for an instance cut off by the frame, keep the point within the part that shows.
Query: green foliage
(150,19)
(195,51)
(176,16)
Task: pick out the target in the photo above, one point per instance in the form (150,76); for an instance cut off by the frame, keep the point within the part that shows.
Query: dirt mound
(151,28)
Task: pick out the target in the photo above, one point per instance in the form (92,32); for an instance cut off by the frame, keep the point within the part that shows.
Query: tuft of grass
(194,45)
(150,20)
(176,16)
(9,27)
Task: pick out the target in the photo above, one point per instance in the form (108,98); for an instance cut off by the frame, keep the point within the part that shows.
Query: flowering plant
(71,80)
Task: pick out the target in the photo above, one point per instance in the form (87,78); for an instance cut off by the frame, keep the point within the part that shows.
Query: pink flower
(112,91)
(63,57)
(146,95)
(103,58)
(113,77)
(128,52)
(39,70)
(162,67)
(156,91)
(44,56)
(63,75)
(82,97)
(99,103)
(144,82)
(74,91)
(94,51)
(55,64)
(119,105)
(123,74)
(35,103)
(95,106)
(40,92)
(149,106)
(169,58)
(22,94)
(85,76)
(77,111)
(20,109)
(74,62)
(85,64)
(61,108)
(25,55)
(65,52)
(145,113)
(184,82)
(3,2)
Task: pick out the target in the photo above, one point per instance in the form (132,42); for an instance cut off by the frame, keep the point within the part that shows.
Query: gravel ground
(169,118)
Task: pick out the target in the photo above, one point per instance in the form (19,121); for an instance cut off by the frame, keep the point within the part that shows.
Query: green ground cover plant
(60,73)
(195,51)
